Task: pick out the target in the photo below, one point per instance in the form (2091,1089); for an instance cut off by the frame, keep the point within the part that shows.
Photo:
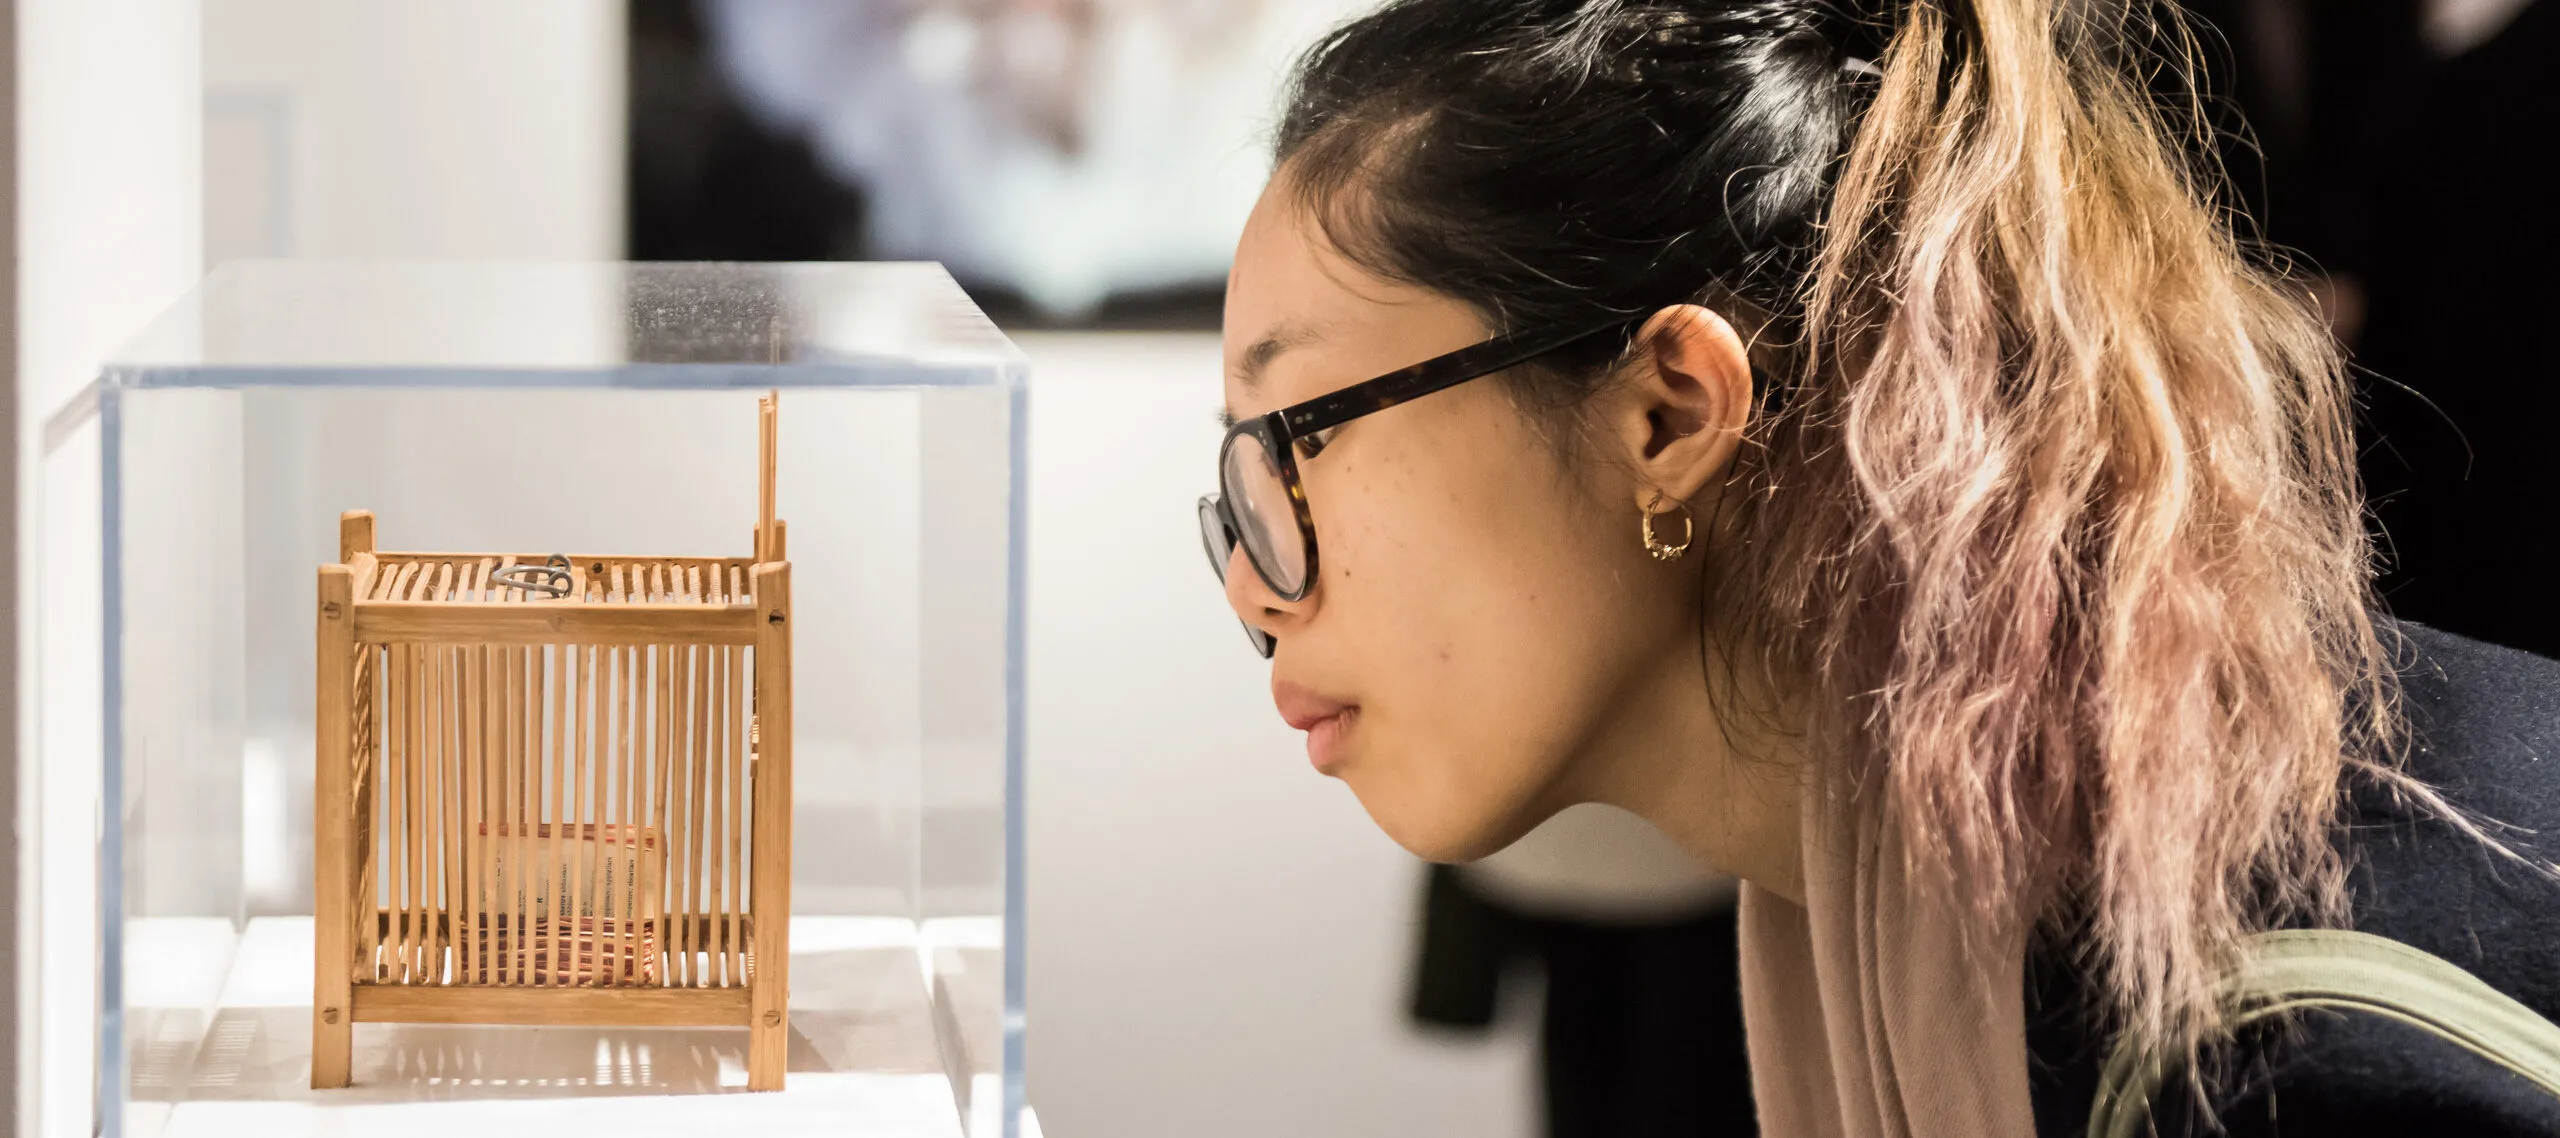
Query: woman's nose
(1254,602)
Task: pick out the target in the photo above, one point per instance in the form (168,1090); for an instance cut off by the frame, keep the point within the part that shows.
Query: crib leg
(769,901)
(768,1045)
(333,950)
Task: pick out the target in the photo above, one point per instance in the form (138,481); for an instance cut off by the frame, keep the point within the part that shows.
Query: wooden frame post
(769,988)
(355,535)
(333,1018)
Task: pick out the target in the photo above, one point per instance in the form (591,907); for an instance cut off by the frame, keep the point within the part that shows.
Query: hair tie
(1856,66)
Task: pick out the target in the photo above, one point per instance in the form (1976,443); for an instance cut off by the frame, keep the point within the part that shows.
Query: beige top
(1868,1013)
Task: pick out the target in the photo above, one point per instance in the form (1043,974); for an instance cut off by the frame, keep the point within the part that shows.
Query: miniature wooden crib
(565,800)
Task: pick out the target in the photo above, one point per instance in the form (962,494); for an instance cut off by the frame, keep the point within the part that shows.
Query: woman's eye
(1311,445)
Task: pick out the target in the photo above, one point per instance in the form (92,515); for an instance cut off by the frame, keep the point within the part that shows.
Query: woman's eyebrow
(1256,362)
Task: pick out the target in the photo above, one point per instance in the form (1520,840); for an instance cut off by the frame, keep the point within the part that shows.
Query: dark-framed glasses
(1261,504)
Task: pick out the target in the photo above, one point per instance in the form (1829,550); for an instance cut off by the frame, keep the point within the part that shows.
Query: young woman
(1855,443)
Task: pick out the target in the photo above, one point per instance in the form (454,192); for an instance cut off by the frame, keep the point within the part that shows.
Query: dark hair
(1556,163)
(2057,528)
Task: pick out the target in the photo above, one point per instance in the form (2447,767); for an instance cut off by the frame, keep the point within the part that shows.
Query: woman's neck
(1714,773)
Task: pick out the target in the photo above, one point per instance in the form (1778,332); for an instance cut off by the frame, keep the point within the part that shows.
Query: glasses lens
(1265,521)
(1220,541)
(1215,537)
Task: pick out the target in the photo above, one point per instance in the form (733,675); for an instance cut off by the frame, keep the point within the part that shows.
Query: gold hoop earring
(1688,530)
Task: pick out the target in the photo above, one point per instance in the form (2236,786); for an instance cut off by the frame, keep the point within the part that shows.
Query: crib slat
(741,680)
(679,814)
(484,898)
(421,812)
(519,822)
(696,770)
(466,912)
(412,829)
(715,817)
(405,834)
(574,970)
(664,778)
(557,793)
(627,712)
(449,777)
(369,791)
(384,841)
(495,801)
(528,813)
(732,970)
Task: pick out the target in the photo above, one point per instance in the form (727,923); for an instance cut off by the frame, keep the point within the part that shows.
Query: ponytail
(2097,608)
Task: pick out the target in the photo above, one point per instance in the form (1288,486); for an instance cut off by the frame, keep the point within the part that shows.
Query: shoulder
(2485,734)
(2482,718)
(2331,1075)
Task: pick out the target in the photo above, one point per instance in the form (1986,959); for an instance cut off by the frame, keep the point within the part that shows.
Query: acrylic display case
(186,500)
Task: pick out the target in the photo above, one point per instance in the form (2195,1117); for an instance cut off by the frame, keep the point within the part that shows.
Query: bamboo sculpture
(556,794)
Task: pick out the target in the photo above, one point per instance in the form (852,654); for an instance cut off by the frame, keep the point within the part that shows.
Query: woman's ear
(1687,397)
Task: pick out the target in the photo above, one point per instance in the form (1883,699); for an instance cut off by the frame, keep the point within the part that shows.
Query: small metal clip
(551,578)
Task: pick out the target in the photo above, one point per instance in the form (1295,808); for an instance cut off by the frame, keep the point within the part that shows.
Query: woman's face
(1485,615)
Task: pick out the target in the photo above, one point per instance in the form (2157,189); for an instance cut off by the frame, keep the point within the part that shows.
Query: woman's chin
(1439,831)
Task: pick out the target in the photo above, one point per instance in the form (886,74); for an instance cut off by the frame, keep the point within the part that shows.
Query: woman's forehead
(1292,298)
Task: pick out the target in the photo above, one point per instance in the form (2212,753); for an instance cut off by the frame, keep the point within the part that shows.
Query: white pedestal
(863,1059)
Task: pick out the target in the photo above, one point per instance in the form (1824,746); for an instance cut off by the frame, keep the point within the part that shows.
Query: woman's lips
(1324,719)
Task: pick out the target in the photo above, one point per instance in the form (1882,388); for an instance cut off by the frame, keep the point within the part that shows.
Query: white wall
(387,128)
(1219,936)
(109,216)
